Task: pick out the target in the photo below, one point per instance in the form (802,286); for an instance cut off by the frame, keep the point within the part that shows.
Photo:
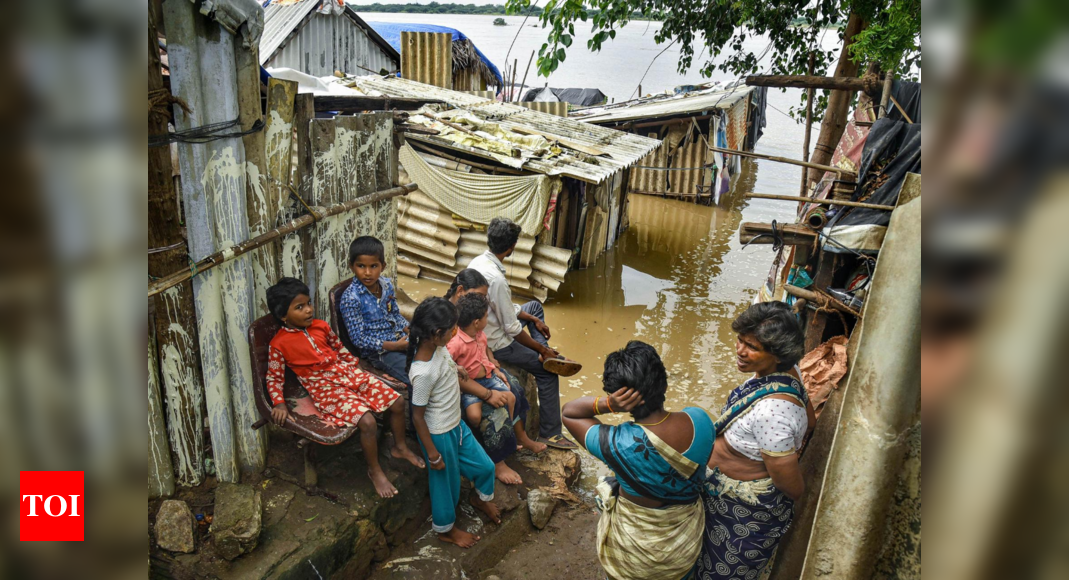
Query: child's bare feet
(530,444)
(487,507)
(401,451)
(383,486)
(459,537)
(506,474)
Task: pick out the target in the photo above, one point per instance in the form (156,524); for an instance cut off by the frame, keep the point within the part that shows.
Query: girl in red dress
(342,392)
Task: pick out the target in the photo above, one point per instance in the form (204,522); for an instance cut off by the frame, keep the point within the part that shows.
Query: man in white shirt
(518,334)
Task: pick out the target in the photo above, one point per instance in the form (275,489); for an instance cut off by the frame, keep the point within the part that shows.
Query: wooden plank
(160,472)
(278,147)
(295,251)
(357,103)
(791,234)
(261,208)
(175,325)
(814,329)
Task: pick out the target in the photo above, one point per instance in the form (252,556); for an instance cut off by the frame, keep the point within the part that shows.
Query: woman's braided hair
(469,279)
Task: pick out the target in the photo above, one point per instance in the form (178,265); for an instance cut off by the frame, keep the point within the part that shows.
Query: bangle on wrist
(596,410)
(608,403)
(436,461)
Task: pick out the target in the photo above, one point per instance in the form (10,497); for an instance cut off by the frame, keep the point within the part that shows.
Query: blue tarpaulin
(391,33)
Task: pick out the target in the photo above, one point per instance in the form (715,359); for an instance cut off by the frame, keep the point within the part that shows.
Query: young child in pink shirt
(494,404)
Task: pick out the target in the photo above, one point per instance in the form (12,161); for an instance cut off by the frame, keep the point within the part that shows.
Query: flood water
(678,276)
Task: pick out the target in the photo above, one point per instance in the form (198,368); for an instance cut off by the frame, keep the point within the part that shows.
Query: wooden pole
(278,136)
(791,234)
(820,299)
(165,231)
(223,256)
(175,324)
(260,207)
(888,81)
(296,248)
(835,83)
(844,203)
(525,71)
(819,166)
(808,128)
(515,65)
(837,113)
(900,109)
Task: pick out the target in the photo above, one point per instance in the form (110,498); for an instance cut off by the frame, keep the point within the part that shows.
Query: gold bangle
(596,410)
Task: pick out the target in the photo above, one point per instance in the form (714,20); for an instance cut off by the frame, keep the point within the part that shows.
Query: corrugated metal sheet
(427,57)
(560,109)
(431,244)
(620,149)
(298,36)
(737,117)
(714,96)
(646,180)
(689,162)
(488,95)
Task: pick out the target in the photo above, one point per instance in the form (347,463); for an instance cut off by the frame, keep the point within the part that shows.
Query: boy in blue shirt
(370,313)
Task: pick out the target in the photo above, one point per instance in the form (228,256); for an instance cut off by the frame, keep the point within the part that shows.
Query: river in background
(678,276)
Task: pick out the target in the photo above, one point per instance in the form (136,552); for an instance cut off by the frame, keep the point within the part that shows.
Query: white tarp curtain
(481,198)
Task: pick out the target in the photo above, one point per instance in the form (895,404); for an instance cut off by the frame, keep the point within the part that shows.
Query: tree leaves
(793,29)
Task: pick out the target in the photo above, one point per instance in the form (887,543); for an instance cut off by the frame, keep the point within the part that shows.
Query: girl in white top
(449,447)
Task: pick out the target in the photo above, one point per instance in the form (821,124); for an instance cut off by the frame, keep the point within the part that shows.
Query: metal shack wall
(329,42)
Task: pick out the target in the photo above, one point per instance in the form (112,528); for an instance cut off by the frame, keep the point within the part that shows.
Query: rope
(159,101)
(203,134)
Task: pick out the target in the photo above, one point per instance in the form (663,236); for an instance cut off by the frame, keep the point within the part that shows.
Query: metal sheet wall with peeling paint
(427,57)
(326,42)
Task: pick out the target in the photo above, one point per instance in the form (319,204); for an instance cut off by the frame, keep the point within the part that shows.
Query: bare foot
(383,486)
(459,537)
(487,507)
(532,445)
(403,452)
(506,474)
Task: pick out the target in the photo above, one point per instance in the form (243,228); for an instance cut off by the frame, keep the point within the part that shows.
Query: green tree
(884,33)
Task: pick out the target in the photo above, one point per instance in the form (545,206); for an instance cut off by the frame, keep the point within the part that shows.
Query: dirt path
(564,549)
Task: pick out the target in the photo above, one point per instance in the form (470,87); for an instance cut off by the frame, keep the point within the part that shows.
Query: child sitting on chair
(341,391)
(493,389)
(448,445)
(369,310)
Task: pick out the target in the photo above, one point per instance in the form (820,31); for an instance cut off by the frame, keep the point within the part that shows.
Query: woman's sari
(744,520)
(640,542)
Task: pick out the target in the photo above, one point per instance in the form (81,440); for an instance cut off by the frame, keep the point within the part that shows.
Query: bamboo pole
(818,166)
(821,201)
(887,82)
(900,109)
(808,128)
(820,299)
(525,71)
(247,246)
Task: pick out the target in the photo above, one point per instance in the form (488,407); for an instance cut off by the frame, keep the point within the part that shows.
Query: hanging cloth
(481,198)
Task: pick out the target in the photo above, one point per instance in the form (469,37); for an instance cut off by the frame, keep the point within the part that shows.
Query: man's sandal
(562,366)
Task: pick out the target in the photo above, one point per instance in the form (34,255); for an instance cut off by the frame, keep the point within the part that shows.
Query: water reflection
(665,283)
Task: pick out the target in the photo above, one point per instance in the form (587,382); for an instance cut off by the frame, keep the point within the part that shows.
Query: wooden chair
(309,428)
(338,325)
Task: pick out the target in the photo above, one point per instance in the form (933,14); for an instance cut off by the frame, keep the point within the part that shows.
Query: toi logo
(51,506)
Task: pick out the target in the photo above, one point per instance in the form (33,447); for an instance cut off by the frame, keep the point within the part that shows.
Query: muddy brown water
(675,279)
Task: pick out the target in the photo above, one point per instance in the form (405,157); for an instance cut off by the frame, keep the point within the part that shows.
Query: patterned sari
(639,542)
(744,520)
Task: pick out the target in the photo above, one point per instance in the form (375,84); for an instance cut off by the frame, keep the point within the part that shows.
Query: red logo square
(51,506)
